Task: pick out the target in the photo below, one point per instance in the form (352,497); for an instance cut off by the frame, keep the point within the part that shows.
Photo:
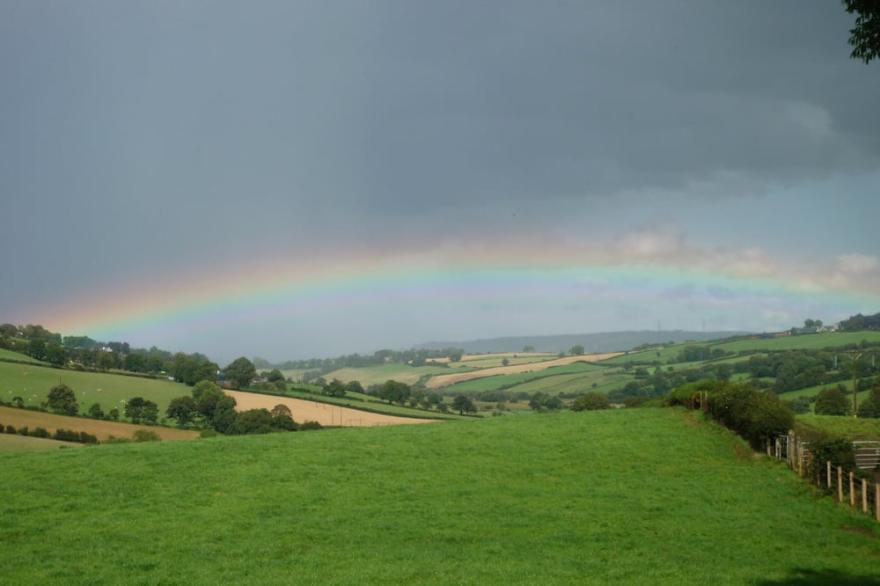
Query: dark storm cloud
(153,136)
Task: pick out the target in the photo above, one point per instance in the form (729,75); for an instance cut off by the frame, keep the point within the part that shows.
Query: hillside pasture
(507,381)
(18,357)
(323,413)
(640,496)
(376,375)
(801,342)
(606,380)
(101,429)
(443,380)
(22,443)
(32,383)
(841,426)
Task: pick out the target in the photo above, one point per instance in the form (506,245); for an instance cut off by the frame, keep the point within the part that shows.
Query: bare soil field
(323,413)
(450,379)
(101,429)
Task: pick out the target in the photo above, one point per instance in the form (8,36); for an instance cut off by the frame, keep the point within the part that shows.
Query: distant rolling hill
(597,342)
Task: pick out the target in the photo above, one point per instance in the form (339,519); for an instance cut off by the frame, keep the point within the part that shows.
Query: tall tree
(62,400)
(240,372)
(865,37)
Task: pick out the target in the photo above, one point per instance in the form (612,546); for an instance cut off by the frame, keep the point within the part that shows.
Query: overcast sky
(157,138)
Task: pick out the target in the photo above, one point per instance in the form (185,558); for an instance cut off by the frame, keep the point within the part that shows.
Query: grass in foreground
(638,496)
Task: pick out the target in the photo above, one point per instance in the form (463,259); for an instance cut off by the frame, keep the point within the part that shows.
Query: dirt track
(323,413)
(445,380)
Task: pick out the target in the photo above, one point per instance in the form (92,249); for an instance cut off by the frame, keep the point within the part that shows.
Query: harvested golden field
(323,413)
(101,429)
(450,379)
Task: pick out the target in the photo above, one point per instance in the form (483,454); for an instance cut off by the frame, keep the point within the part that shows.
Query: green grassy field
(647,496)
(22,443)
(848,427)
(10,355)
(32,383)
(802,342)
(492,383)
(376,375)
(813,391)
(605,379)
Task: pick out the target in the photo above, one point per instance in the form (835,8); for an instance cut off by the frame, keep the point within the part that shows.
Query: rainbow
(285,287)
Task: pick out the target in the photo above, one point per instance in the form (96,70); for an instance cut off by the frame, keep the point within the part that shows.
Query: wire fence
(858,487)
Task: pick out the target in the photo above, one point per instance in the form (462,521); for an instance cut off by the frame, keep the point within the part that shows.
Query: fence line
(860,493)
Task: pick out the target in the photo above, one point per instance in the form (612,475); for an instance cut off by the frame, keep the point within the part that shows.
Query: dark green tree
(463,404)
(576,350)
(275,376)
(139,409)
(832,401)
(865,36)
(183,409)
(591,402)
(240,372)
(62,400)
(96,412)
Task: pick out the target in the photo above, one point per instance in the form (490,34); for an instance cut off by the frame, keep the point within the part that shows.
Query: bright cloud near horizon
(296,179)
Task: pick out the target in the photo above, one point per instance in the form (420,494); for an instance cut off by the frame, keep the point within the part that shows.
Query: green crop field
(32,383)
(492,383)
(23,443)
(813,391)
(606,380)
(802,342)
(10,355)
(848,427)
(376,375)
(647,496)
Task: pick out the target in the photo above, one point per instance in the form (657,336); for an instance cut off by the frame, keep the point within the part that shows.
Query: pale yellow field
(450,379)
(99,428)
(323,413)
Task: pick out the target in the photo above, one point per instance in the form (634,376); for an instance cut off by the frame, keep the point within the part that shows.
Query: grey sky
(158,136)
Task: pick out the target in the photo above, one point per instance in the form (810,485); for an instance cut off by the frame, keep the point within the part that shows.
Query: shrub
(40,432)
(310,425)
(758,416)
(145,435)
(23,430)
(591,402)
(10,429)
(832,401)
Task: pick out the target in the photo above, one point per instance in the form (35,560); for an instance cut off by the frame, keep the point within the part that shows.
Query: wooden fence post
(877,500)
(828,472)
(852,489)
(864,495)
(840,484)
